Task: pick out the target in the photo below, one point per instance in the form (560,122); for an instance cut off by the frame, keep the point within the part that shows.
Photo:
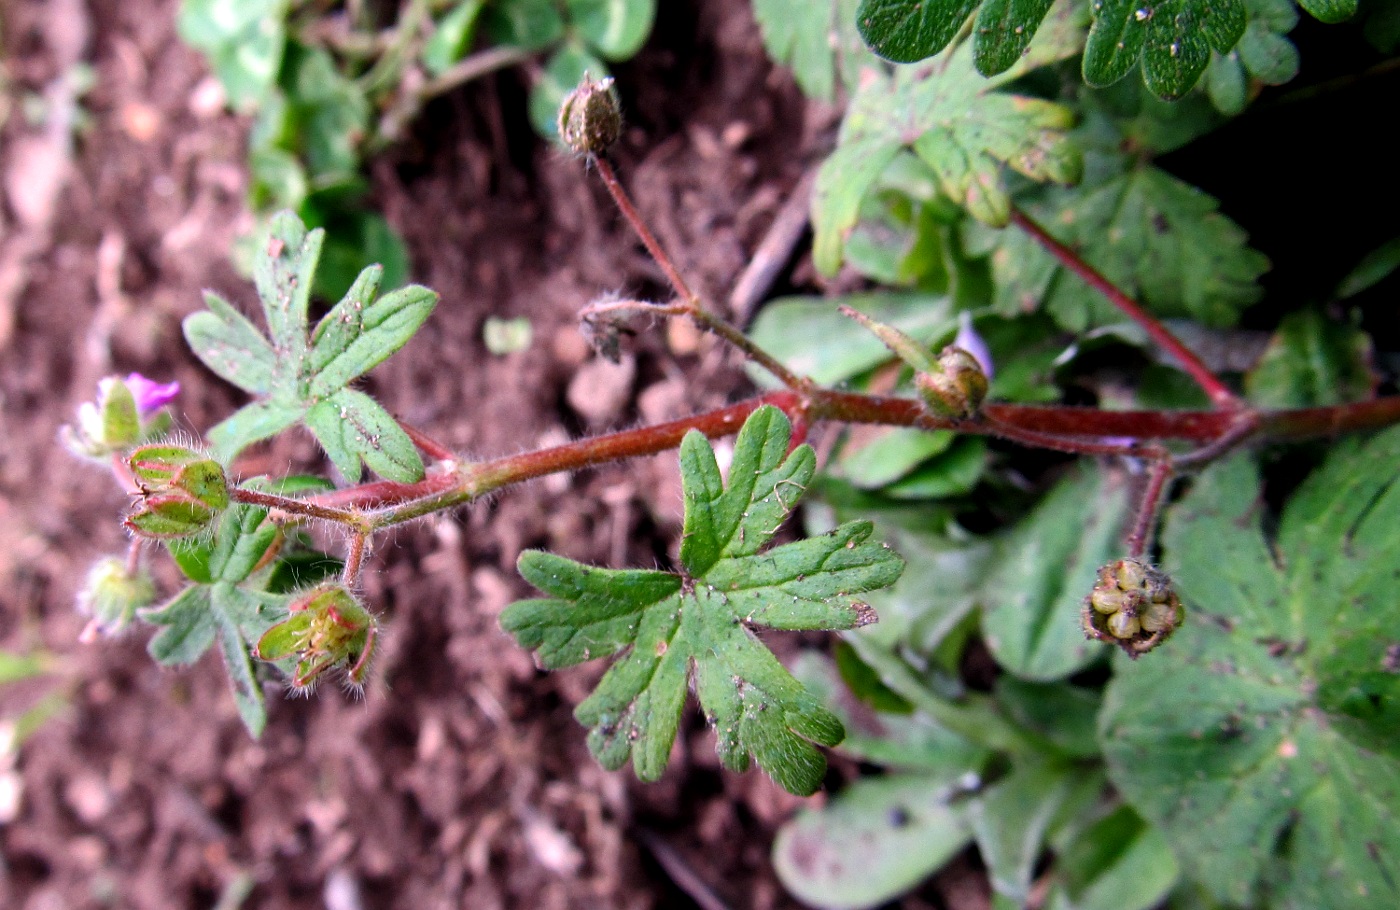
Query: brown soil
(461,779)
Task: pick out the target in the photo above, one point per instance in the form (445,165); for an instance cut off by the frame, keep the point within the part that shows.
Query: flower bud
(181,491)
(956,388)
(1133,606)
(590,119)
(111,595)
(326,627)
(125,413)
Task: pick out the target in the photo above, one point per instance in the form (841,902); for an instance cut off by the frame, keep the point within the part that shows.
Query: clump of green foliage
(996,208)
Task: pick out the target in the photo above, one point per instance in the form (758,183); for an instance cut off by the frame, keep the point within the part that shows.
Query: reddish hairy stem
(1158,477)
(1080,430)
(354,557)
(1219,393)
(303,507)
(634,218)
(428,444)
(690,303)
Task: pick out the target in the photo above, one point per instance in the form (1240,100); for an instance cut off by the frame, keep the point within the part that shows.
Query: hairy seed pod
(590,119)
(1133,606)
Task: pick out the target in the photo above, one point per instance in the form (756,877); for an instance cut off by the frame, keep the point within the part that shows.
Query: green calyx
(326,627)
(181,491)
(956,387)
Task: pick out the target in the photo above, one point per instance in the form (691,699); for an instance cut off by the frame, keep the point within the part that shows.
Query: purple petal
(970,341)
(150,395)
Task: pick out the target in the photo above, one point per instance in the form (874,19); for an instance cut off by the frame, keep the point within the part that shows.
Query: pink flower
(970,341)
(150,395)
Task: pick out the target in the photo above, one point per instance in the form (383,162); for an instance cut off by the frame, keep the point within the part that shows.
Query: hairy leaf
(959,125)
(215,607)
(818,40)
(698,623)
(232,346)
(907,31)
(296,378)
(1262,740)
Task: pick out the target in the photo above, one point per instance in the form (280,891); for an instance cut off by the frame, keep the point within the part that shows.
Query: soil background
(461,778)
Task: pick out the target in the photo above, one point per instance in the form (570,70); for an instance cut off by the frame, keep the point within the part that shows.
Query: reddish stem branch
(1083,431)
(1219,393)
(428,444)
(634,218)
(1159,475)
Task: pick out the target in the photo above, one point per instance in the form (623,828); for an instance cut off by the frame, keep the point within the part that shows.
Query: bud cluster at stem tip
(1133,606)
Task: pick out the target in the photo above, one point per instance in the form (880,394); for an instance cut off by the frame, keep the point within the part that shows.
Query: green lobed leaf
(1261,740)
(529,24)
(188,627)
(352,427)
(956,122)
(890,454)
(672,626)
(231,346)
(1012,819)
(360,332)
(1173,38)
(328,115)
(283,274)
(1047,566)
(1330,10)
(251,423)
(900,741)
(907,31)
(1004,30)
(241,542)
(1118,863)
(1373,268)
(878,838)
(452,36)
(1160,240)
(235,649)
(818,39)
(1312,361)
(616,29)
(301,381)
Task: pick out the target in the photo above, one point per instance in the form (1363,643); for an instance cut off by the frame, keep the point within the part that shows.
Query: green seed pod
(1133,606)
(1106,601)
(1123,625)
(590,119)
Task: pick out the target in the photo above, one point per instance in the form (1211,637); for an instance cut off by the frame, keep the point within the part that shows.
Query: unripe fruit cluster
(1133,606)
